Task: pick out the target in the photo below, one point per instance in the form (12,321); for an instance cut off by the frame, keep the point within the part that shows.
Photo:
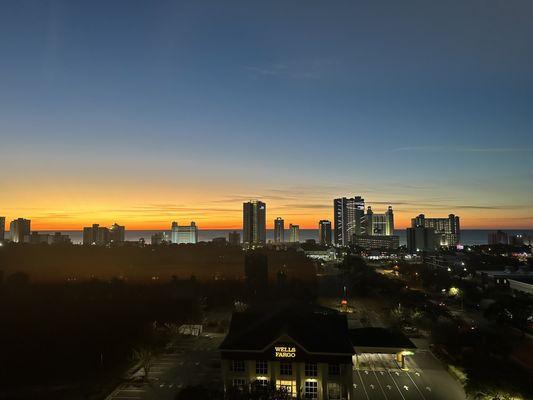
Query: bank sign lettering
(285,352)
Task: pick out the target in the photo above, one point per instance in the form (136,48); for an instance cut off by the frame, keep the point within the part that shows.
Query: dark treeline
(206,261)
(71,333)
(61,337)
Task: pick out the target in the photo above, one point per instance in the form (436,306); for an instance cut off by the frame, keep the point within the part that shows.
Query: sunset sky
(145,112)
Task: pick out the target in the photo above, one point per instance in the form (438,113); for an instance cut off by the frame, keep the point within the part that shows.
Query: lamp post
(456,292)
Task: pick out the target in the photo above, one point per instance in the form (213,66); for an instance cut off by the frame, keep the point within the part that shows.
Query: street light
(456,292)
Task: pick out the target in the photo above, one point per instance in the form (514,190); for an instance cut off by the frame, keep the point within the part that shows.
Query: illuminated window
(311,369)
(334,391)
(237,366)
(239,384)
(334,369)
(285,368)
(287,386)
(261,367)
(311,390)
(260,384)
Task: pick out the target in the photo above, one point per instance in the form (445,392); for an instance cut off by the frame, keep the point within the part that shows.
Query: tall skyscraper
(90,234)
(96,235)
(20,230)
(447,230)
(2,229)
(184,234)
(324,232)
(498,237)
(234,238)
(279,230)
(420,238)
(294,233)
(379,224)
(254,222)
(349,218)
(117,233)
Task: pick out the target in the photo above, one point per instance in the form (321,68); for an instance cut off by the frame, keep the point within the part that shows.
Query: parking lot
(189,361)
(378,376)
(194,360)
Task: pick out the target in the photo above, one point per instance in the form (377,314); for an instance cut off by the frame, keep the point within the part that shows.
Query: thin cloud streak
(464,149)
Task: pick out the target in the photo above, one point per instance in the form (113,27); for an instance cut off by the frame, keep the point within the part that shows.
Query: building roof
(380,338)
(316,330)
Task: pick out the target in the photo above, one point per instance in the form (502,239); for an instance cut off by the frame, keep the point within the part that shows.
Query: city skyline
(403,217)
(164,104)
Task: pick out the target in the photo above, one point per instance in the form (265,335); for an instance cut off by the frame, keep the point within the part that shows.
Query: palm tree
(145,357)
(397,315)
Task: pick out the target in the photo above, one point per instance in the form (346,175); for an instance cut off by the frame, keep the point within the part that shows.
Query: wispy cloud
(269,70)
(460,149)
(306,69)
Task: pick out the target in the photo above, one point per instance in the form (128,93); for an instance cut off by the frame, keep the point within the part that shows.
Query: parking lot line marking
(380,386)
(395,384)
(416,386)
(363,384)
(125,397)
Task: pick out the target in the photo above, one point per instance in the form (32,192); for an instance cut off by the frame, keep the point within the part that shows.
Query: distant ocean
(468,236)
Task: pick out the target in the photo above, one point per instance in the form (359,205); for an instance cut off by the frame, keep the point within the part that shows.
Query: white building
(184,233)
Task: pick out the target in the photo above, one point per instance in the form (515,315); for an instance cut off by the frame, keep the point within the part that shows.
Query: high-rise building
(421,239)
(48,238)
(96,235)
(447,230)
(2,229)
(20,230)
(159,238)
(379,224)
(349,219)
(372,242)
(279,230)
(59,238)
(324,232)
(117,233)
(498,237)
(234,238)
(294,233)
(183,234)
(254,222)
(90,234)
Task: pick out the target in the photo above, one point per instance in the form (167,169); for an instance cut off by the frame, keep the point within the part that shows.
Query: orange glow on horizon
(63,207)
(214,222)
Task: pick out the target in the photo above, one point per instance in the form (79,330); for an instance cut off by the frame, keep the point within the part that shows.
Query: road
(191,361)
(378,377)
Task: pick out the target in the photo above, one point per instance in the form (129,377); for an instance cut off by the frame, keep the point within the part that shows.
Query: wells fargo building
(305,351)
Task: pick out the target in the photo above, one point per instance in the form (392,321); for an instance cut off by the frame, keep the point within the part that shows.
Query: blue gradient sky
(149,111)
